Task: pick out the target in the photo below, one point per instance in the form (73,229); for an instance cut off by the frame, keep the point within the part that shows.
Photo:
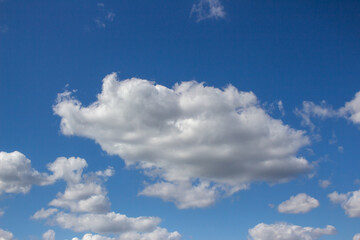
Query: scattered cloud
(42,213)
(350,111)
(208,9)
(108,223)
(104,17)
(184,194)
(281,108)
(350,202)
(49,235)
(166,132)
(4,235)
(17,175)
(301,203)
(84,193)
(286,231)
(341,149)
(324,183)
(85,205)
(310,109)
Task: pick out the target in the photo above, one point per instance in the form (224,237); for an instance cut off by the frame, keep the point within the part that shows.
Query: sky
(169,120)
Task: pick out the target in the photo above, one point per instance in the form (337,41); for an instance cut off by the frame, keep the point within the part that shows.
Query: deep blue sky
(292,51)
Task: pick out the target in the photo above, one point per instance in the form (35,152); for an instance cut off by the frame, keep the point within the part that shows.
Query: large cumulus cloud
(188,133)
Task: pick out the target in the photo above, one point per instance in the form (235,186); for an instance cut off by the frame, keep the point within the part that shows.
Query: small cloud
(324,183)
(341,149)
(271,205)
(281,108)
(208,9)
(333,139)
(104,16)
(1,212)
(301,203)
(49,235)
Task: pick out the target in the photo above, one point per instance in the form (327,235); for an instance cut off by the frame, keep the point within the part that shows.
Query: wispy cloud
(208,9)
(104,16)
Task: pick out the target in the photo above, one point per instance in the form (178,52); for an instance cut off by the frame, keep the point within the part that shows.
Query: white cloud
(356,236)
(350,202)
(84,192)
(281,107)
(85,203)
(207,9)
(350,111)
(157,234)
(300,203)
(83,197)
(190,133)
(42,213)
(105,223)
(183,194)
(49,235)
(4,235)
(104,16)
(310,109)
(285,231)
(324,183)
(17,175)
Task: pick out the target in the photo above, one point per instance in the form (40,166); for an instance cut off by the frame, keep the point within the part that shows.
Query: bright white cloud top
(301,203)
(286,231)
(205,140)
(350,202)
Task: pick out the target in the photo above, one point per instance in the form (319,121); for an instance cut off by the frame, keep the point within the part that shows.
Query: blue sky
(168,120)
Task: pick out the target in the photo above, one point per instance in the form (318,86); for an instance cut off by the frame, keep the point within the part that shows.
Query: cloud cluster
(350,202)
(301,203)
(85,207)
(285,231)
(104,16)
(207,9)
(190,135)
(17,175)
(84,193)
